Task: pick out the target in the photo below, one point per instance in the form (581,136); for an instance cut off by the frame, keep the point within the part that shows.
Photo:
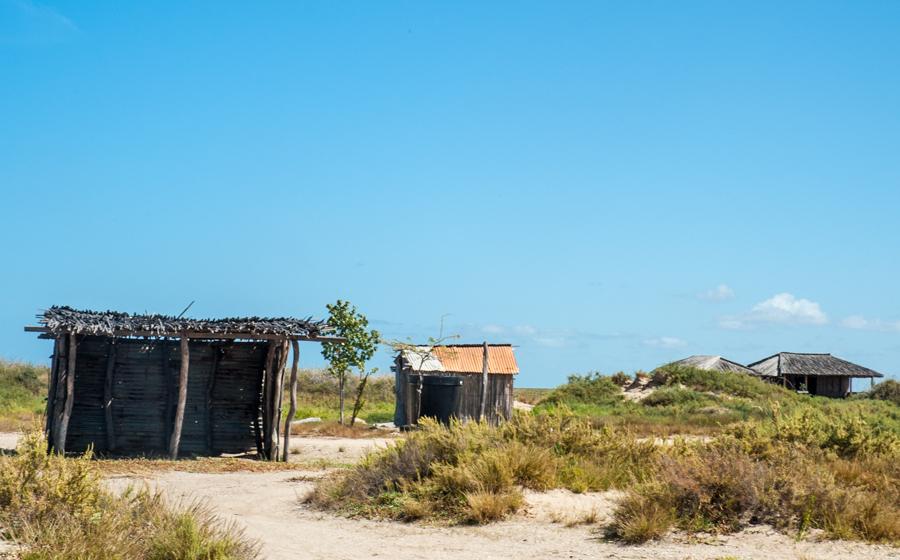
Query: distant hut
(817,374)
(714,363)
(157,385)
(418,370)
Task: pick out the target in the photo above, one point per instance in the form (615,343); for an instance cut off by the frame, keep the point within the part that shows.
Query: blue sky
(608,185)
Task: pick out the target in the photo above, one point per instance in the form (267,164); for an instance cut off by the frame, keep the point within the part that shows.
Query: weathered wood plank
(70,395)
(295,347)
(182,398)
(484,380)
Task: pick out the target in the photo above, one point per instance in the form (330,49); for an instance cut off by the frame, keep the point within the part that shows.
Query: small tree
(359,348)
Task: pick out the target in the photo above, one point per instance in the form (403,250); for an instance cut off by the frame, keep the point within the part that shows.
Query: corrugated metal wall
(144,392)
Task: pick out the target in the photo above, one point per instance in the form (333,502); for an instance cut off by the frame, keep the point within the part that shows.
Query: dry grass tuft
(55,507)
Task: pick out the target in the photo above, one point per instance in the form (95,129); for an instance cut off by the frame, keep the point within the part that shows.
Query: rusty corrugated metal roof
(467,358)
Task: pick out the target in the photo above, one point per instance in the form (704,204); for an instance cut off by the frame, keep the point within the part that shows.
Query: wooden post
(484,381)
(210,390)
(70,396)
(51,392)
(108,395)
(295,347)
(279,399)
(267,402)
(182,398)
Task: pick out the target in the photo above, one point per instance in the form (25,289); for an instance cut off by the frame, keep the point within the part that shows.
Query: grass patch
(23,389)
(318,397)
(57,508)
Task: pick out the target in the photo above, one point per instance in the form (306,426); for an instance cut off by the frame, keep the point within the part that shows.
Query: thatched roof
(58,320)
(714,363)
(791,363)
(461,358)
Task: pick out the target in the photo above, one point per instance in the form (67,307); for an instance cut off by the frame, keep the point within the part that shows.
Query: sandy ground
(269,506)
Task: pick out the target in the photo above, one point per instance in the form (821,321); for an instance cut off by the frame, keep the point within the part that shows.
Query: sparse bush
(886,391)
(641,516)
(620,378)
(438,469)
(55,507)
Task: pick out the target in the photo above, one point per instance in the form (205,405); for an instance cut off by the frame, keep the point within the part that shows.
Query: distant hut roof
(791,363)
(59,319)
(714,363)
(461,358)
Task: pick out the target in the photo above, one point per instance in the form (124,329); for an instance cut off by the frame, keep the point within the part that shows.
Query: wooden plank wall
(500,396)
(218,417)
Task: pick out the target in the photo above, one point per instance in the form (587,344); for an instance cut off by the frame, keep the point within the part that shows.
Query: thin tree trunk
(70,395)
(484,380)
(341,385)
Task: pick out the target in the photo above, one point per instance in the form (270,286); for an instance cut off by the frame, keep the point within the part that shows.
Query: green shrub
(591,388)
(886,391)
(676,396)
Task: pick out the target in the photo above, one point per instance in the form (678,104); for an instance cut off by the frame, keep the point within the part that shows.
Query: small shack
(485,370)
(817,374)
(714,363)
(156,385)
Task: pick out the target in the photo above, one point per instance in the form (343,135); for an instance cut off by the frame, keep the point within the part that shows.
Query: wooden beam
(484,379)
(295,347)
(108,395)
(63,431)
(175,440)
(208,336)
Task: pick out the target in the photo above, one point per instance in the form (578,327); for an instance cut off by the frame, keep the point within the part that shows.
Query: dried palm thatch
(62,319)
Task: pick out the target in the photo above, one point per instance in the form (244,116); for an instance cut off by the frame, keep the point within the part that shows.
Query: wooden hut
(817,374)
(486,371)
(156,385)
(714,363)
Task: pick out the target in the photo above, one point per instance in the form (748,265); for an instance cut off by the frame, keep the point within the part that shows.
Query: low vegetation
(56,507)
(794,462)
(319,396)
(22,392)
(474,472)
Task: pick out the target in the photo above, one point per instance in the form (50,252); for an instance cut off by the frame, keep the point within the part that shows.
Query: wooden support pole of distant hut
(295,347)
(60,445)
(182,398)
(108,395)
(484,381)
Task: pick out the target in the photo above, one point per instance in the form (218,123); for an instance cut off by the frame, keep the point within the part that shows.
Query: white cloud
(525,330)
(666,342)
(721,292)
(781,308)
(493,329)
(858,322)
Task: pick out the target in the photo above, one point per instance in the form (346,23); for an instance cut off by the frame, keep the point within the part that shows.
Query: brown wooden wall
(499,404)
(220,410)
